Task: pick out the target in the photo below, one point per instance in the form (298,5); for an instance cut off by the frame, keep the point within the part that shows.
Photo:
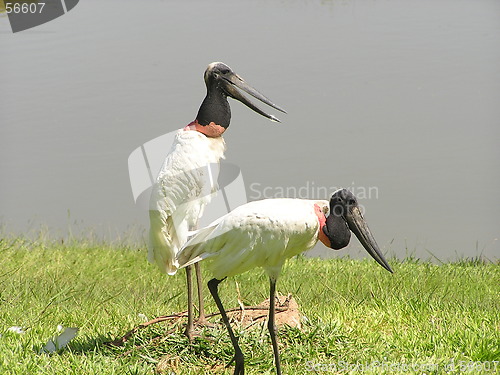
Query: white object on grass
(16,329)
(60,341)
(143,317)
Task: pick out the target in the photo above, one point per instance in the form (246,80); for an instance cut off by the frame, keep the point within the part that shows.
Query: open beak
(359,227)
(232,80)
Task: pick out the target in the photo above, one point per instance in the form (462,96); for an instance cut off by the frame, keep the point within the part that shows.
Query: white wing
(184,186)
(258,234)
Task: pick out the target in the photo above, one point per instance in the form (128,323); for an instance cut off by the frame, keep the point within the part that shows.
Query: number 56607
(24,7)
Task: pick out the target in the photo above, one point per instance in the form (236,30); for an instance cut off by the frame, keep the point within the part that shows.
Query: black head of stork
(345,216)
(222,82)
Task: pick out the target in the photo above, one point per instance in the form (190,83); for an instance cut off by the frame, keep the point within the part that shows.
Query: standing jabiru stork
(184,184)
(266,233)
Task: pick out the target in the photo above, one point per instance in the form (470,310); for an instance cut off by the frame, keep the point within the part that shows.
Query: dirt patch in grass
(287,313)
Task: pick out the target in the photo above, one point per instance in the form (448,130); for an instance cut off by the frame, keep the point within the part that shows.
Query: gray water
(398,100)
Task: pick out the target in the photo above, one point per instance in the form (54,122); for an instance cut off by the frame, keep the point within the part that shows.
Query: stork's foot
(190,333)
(239,364)
(203,322)
(197,329)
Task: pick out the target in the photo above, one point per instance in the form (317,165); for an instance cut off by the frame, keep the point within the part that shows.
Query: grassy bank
(422,319)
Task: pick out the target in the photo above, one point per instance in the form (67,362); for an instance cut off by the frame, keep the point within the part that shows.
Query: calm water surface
(396,100)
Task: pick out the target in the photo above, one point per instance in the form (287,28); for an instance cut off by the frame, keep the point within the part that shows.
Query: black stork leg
(271,325)
(189,332)
(239,368)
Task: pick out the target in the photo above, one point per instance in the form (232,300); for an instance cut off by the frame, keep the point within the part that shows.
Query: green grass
(356,313)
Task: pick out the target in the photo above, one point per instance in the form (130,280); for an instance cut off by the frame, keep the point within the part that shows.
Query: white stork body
(258,234)
(265,234)
(183,188)
(185,185)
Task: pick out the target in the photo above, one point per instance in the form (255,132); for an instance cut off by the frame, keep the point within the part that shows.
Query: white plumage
(185,184)
(183,188)
(258,234)
(265,234)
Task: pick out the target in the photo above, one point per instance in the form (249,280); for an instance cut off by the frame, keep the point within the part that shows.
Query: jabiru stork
(184,184)
(268,232)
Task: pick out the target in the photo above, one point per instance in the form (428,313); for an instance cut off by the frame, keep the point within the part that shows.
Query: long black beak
(359,227)
(233,80)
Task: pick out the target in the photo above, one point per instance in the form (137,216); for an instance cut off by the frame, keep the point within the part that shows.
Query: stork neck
(337,230)
(214,109)
(322,222)
(211,130)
